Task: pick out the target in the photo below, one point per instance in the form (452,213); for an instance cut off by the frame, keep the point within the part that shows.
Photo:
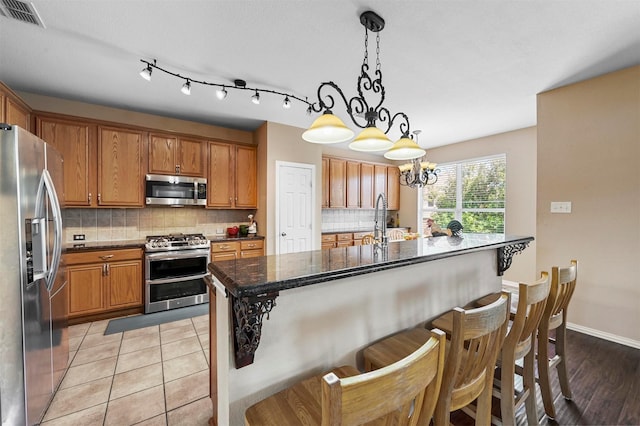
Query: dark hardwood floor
(605,381)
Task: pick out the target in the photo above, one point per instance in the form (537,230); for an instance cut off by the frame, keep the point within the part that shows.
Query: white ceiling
(459,69)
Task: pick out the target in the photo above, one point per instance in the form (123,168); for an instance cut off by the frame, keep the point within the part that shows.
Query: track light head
(221,93)
(146,73)
(287,103)
(256,98)
(186,88)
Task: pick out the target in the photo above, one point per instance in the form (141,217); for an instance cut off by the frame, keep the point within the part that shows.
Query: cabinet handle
(107,268)
(89,198)
(104,269)
(106,257)
(236,198)
(229,200)
(99,198)
(178,168)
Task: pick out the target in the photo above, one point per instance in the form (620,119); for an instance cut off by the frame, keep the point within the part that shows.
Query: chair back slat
(531,304)
(563,283)
(396,391)
(476,339)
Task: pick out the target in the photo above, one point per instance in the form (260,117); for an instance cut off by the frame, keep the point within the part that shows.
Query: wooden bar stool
(403,393)
(476,338)
(520,341)
(563,284)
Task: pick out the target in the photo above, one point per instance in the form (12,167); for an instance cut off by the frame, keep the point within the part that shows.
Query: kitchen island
(277,319)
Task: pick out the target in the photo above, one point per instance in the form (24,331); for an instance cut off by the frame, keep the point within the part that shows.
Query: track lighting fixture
(186,88)
(221,93)
(256,98)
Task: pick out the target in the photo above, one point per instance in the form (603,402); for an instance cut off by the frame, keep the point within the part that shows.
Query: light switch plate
(561,207)
(219,231)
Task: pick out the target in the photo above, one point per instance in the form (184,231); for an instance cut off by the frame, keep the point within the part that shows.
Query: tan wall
(520,149)
(588,153)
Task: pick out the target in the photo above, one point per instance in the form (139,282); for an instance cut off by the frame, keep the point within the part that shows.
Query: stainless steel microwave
(175,190)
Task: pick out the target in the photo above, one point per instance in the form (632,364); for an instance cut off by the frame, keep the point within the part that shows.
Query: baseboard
(603,335)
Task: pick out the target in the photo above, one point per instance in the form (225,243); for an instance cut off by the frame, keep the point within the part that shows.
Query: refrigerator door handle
(39,235)
(57,228)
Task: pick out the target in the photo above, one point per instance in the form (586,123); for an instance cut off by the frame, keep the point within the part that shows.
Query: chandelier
(328,128)
(418,172)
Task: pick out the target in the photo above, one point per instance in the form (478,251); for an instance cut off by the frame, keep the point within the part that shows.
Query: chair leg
(529,379)
(483,412)
(442,414)
(507,389)
(543,372)
(561,349)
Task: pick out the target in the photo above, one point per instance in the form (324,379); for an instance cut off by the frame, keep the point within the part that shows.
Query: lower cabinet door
(124,287)
(86,291)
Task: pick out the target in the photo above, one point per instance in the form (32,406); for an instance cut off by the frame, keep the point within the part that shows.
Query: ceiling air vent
(21,11)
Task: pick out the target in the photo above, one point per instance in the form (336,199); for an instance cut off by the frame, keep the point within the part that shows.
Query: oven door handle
(172,256)
(175,280)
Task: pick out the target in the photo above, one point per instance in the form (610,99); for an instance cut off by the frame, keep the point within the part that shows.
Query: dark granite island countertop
(269,274)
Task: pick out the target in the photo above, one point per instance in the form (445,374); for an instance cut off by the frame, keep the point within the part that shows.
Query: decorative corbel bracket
(247,324)
(506,253)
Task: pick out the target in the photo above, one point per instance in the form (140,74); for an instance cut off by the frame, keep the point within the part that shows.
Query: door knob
(284,234)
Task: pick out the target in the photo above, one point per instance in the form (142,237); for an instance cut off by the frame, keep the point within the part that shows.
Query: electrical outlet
(561,207)
(78,237)
(219,231)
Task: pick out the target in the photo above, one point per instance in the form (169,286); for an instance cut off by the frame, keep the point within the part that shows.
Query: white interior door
(295,207)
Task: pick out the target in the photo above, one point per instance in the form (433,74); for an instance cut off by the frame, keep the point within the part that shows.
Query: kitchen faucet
(380,235)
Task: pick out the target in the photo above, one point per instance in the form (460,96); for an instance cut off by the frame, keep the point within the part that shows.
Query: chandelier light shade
(371,139)
(327,129)
(186,88)
(418,172)
(221,93)
(146,73)
(363,114)
(405,149)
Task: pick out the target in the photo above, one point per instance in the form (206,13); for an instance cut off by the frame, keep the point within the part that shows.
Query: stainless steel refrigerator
(34,344)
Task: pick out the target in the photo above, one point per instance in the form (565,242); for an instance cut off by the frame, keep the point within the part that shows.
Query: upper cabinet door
(393,188)
(366,186)
(353,184)
(190,157)
(120,167)
(220,183)
(162,157)
(380,180)
(17,114)
(246,187)
(325,183)
(76,143)
(337,183)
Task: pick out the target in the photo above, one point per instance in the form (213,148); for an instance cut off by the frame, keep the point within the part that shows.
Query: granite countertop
(77,246)
(260,275)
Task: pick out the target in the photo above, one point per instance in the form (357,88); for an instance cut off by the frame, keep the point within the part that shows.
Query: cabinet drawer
(250,245)
(344,237)
(329,238)
(99,256)
(225,246)
(357,236)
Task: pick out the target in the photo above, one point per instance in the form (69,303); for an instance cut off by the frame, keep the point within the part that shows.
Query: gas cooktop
(176,242)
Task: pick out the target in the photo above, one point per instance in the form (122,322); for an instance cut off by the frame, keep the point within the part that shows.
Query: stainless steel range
(175,265)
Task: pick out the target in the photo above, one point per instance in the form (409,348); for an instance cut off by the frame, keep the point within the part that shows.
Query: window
(472,192)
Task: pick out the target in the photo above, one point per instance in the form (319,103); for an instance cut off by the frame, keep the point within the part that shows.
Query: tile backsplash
(136,224)
(349,219)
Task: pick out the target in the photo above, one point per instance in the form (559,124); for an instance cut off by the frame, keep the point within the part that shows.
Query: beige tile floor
(150,376)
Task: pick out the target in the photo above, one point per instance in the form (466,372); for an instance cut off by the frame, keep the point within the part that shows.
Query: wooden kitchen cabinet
(379,181)
(252,248)
(232,180)
(170,155)
(393,188)
(104,281)
(121,174)
(14,110)
(328,241)
(366,186)
(353,184)
(325,183)
(344,239)
(224,250)
(76,141)
(337,183)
